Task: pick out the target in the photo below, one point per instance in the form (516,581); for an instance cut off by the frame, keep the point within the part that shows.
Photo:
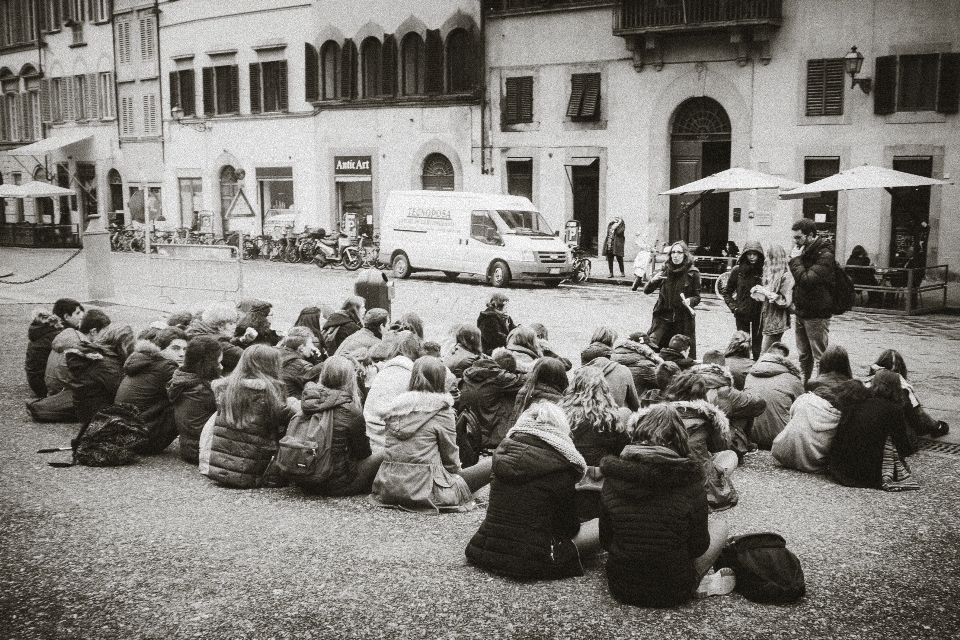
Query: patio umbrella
(733,179)
(11,191)
(37,189)
(862,177)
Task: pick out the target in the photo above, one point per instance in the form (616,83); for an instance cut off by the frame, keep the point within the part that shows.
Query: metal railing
(653,14)
(521,5)
(900,291)
(28,234)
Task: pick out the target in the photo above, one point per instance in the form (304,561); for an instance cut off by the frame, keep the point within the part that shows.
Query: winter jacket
(593,351)
(193,404)
(683,278)
(593,445)
(775,314)
(531,515)
(231,351)
(241,452)
(813,276)
(422,462)
(620,381)
(489,392)
(708,432)
(541,392)
(616,233)
(653,523)
(296,371)
(856,456)
(145,386)
(739,367)
(805,441)
(742,279)
(671,355)
(57,375)
(494,327)
(346,322)
(460,360)
(349,444)
(642,362)
(357,345)
(740,407)
(524,357)
(95,374)
(392,380)
(776,380)
(43,329)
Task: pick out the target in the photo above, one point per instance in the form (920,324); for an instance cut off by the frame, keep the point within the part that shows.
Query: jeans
(752,327)
(813,335)
(768,340)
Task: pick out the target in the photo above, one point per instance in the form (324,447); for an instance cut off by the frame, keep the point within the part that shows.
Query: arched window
(329,70)
(437,173)
(460,62)
(701,119)
(229,187)
(311,72)
(371,61)
(412,68)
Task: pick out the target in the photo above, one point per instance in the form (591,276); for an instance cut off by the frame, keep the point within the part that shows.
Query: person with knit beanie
(737,294)
(531,530)
(191,395)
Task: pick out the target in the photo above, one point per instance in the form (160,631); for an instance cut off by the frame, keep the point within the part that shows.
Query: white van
(500,237)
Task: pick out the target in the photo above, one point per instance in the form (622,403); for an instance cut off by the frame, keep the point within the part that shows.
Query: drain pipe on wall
(484,170)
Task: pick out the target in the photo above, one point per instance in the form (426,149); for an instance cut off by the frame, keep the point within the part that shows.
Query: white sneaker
(718,583)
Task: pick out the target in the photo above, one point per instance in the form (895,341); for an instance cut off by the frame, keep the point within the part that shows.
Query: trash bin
(377,292)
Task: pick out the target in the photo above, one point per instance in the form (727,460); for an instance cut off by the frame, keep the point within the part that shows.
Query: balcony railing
(637,17)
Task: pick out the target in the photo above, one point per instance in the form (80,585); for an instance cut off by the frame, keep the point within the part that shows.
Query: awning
(36,189)
(45,146)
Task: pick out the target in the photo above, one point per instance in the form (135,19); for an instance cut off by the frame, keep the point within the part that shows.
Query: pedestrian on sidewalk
(613,244)
(812,265)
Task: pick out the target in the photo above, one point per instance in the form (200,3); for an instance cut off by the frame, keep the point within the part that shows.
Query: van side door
(481,246)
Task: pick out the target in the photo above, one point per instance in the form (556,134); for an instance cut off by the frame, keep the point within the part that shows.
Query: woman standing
(613,244)
(679,285)
(494,324)
(744,278)
(775,293)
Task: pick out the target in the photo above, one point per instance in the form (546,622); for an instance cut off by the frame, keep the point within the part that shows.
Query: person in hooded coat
(613,244)
(834,370)
(357,345)
(96,369)
(740,407)
(191,395)
(531,530)
(804,444)
(601,345)
(465,352)
(620,381)
(494,324)
(421,466)
(738,293)
(635,354)
(298,362)
(547,381)
(342,323)
(392,380)
(777,381)
(679,286)
(44,328)
(219,322)
(146,374)
(488,395)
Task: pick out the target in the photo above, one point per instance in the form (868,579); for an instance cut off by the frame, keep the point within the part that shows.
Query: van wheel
(451,275)
(401,266)
(499,274)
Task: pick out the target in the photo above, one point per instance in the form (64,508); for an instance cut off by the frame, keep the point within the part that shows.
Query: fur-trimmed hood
(42,324)
(716,375)
(645,469)
(624,350)
(145,355)
(700,409)
(183,381)
(771,364)
(413,409)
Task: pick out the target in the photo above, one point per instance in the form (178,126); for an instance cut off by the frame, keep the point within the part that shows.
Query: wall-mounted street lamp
(198,125)
(852,62)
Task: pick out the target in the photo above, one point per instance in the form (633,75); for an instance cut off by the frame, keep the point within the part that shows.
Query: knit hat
(547,422)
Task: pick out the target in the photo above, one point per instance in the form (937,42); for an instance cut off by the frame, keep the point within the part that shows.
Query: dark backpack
(766,570)
(305,454)
(114,437)
(329,336)
(844,294)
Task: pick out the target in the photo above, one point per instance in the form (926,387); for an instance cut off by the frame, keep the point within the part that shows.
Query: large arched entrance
(699,147)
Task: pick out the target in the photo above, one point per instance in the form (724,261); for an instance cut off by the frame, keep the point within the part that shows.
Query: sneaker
(939,431)
(718,583)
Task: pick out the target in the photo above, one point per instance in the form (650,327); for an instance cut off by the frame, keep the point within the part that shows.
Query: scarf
(676,278)
(556,436)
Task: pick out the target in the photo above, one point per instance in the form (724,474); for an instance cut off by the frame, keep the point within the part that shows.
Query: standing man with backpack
(812,265)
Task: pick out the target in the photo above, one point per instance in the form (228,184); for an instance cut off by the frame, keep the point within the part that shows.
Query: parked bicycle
(581,265)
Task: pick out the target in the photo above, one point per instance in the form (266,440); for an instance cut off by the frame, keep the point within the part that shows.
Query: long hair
(428,375)
(687,257)
(886,384)
(261,363)
(589,404)
(836,360)
(339,373)
(410,321)
(892,361)
(545,371)
(775,264)
(468,337)
(660,425)
(310,318)
(118,338)
(524,337)
(604,335)
(689,385)
(497,301)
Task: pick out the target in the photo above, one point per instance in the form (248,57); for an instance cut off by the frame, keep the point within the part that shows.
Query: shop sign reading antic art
(351,165)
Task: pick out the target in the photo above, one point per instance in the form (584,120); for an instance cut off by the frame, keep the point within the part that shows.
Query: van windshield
(528,223)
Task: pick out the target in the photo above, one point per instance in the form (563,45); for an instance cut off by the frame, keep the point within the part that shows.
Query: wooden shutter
(433,63)
(311,78)
(591,97)
(46,114)
(27,116)
(833,87)
(209,95)
(67,109)
(151,123)
(282,88)
(235,89)
(885,85)
(175,90)
(123,41)
(255,88)
(388,73)
(511,110)
(92,106)
(348,70)
(577,81)
(815,85)
(948,87)
(526,99)
(147,39)
(188,92)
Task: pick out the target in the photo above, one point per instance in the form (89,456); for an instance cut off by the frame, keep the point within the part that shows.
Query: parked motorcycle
(340,249)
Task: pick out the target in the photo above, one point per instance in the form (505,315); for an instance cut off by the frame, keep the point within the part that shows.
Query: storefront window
(276,190)
(822,209)
(191,202)
(354,175)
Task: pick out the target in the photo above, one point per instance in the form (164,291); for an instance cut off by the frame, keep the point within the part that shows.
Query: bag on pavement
(767,571)
(113,437)
(305,453)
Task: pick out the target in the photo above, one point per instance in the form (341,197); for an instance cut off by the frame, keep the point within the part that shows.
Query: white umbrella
(862,177)
(11,191)
(735,179)
(37,189)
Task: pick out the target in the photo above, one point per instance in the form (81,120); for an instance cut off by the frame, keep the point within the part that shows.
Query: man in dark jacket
(43,329)
(812,265)
(743,278)
(488,392)
(296,370)
(342,323)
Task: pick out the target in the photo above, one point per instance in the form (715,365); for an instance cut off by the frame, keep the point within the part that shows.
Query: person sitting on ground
(653,520)
(96,369)
(219,321)
(354,464)
(776,380)
(392,380)
(635,354)
(494,324)
(146,374)
(180,319)
(311,318)
(601,345)
(357,345)
(44,328)
(488,394)
(737,358)
(409,321)
(678,351)
(708,432)
(866,429)
(546,382)
(804,444)
(666,372)
(465,352)
(919,422)
(253,412)
(522,343)
(191,395)
(531,530)
(834,370)
(297,368)
(543,341)
(421,465)
(740,407)
(257,317)
(342,323)
(433,350)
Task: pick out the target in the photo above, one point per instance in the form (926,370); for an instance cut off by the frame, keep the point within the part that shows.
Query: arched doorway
(438,173)
(699,147)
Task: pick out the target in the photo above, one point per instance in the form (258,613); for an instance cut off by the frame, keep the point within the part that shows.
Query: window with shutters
(56,115)
(148,38)
(825,87)
(77,10)
(68,111)
(17,22)
(99,10)
(268,87)
(412,69)
(124,44)
(106,100)
(52,17)
(128,126)
(926,82)
(151,115)
(461,62)
(329,70)
(371,57)
(221,93)
(518,102)
(80,97)
(31,109)
(183,91)
(584,104)
(13,113)
(311,71)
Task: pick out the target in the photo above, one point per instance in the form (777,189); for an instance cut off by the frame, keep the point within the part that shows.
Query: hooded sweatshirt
(145,386)
(231,352)
(743,278)
(777,381)
(95,374)
(392,380)
(43,329)
(193,404)
(346,323)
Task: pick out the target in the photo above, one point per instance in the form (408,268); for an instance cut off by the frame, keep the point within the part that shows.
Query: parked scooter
(339,249)
(644,265)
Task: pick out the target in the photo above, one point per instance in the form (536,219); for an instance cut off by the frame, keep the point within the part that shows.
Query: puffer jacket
(145,386)
(777,381)
(489,392)
(95,374)
(240,453)
(653,523)
(349,443)
(43,329)
(193,404)
(392,380)
(813,277)
(231,351)
(708,432)
(494,327)
(422,462)
(593,351)
(296,371)
(641,360)
(57,375)
(532,513)
(460,360)
(742,280)
(620,381)
(805,441)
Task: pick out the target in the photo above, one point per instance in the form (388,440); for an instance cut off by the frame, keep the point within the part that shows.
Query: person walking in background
(812,266)
(775,294)
(744,277)
(494,324)
(613,244)
(679,286)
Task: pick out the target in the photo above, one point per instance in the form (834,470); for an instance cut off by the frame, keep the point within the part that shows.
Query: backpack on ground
(844,293)
(113,437)
(766,570)
(329,338)
(305,454)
